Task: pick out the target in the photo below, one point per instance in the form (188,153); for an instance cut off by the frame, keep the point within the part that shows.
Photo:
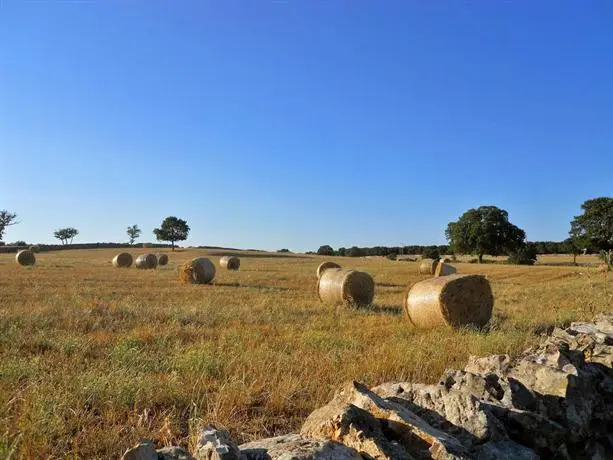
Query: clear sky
(292,124)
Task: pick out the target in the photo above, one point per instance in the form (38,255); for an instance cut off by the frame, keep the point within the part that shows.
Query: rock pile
(553,401)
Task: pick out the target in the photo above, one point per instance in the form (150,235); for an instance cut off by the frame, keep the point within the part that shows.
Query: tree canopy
(172,229)
(65,234)
(485,230)
(594,228)
(133,233)
(325,250)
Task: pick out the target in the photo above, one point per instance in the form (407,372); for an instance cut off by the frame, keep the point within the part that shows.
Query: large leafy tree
(172,229)
(594,228)
(6,219)
(133,233)
(485,230)
(65,234)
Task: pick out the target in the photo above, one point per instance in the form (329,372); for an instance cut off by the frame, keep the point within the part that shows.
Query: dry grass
(93,358)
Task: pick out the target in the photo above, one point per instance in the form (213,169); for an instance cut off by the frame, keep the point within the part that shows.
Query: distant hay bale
(35,248)
(197,271)
(162,259)
(338,286)
(428,266)
(25,257)
(455,300)
(324,266)
(123,260)
(146,261)
(443,269)
(230,262)
(446,260)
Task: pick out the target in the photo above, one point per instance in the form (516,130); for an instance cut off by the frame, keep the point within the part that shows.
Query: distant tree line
(487,230)
(355,251)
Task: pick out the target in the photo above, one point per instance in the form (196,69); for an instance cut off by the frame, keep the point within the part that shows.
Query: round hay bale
(146,261)
(455,300)
(162,259)
(338,286)
(446,260)
(443,269)
(197,271)
(25,257)
(428,266)
(35,248)
(123,260)
(324,266)
(230,262)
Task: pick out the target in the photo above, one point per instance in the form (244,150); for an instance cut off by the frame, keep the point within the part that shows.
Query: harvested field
(94,359)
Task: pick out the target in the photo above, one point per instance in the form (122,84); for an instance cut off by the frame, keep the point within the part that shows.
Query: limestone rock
(401,425)
(457,412)
(215,444)
(142,451)
(353,427)
(173,453)
(297,447)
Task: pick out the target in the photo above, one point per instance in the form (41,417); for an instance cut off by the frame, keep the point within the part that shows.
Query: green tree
(172,229)
(325,250)
(595,226)
(65,234)
(6,220)
(575,245)
(133,233)
(431,253)
(485,230)
(524,255)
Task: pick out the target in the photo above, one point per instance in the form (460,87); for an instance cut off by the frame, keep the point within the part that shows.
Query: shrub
(19,243)
(391,256)
(525,255)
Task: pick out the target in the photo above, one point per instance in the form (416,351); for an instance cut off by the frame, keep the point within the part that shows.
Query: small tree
(6,220)
(172,229)
(133,233)
(524,255)
(65,234)
(325,250)
(485,230)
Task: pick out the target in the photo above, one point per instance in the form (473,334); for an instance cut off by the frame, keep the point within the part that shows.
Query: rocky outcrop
(553,401)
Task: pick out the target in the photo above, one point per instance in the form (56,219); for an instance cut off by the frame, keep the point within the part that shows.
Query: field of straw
(95,358)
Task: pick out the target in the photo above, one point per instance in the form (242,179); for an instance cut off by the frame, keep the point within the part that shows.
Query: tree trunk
(480,258)
(172,243)
(574,259)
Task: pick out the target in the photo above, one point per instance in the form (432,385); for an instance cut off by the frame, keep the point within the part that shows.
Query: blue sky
(270,124)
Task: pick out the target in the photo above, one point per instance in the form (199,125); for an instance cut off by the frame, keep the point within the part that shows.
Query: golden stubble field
(94,359)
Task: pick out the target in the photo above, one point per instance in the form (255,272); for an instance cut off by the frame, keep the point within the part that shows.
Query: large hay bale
(324,266)
(25,257)
(455,300)
(146,261)
(230,262)
(162,259)
(443,269)
(428,266)
(338,286)
(123,260)
(197,271)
